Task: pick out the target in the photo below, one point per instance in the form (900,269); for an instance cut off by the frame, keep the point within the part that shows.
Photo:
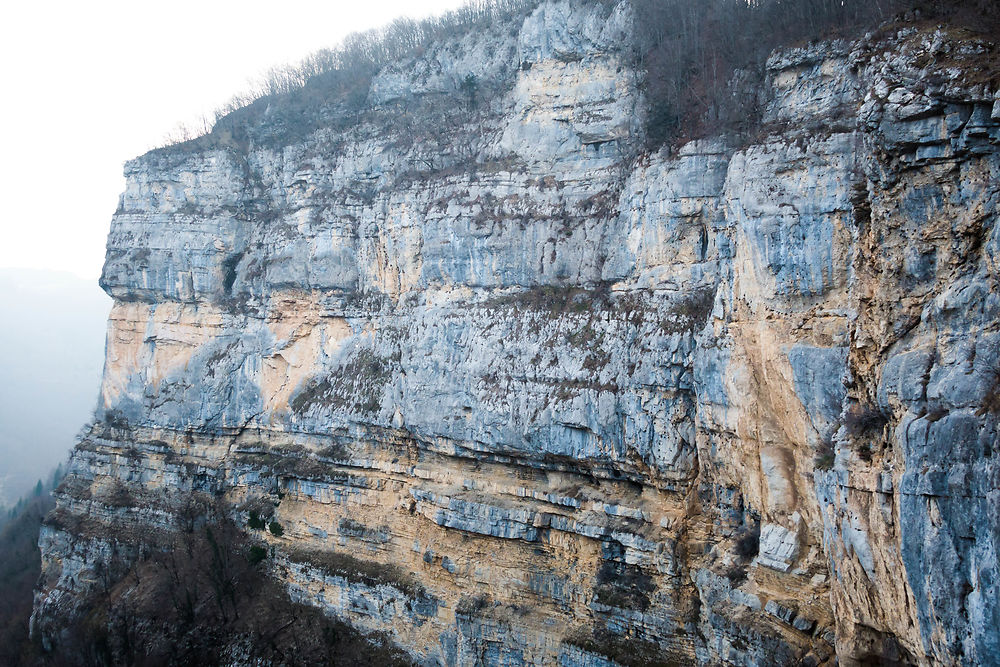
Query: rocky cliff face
(517,394)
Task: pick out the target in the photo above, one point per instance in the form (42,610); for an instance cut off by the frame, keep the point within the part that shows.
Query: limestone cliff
(515,392)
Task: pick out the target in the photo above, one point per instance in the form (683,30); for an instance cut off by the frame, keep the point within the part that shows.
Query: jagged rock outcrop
(516,393)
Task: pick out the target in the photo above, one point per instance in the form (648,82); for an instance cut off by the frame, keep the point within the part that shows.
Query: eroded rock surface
(518,394)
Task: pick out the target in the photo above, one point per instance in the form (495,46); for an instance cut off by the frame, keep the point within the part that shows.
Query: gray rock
(585,373)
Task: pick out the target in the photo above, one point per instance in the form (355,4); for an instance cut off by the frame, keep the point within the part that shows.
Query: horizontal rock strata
(514,393)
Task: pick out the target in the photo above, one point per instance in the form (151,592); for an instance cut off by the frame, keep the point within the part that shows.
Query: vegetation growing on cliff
(704,61)
(621,585)
(990,373)
(356,385)
(338,79)
(205,598)
(354,570)
(631,652)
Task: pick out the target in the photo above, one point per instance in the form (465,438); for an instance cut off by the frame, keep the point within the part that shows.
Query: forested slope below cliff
(471,368)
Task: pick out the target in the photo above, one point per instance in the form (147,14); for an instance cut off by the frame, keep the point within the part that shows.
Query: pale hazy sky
(88,85)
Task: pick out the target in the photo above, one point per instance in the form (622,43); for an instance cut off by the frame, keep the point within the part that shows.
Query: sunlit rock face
(519,393)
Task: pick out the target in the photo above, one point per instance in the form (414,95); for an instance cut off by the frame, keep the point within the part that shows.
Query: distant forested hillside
(20,566)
